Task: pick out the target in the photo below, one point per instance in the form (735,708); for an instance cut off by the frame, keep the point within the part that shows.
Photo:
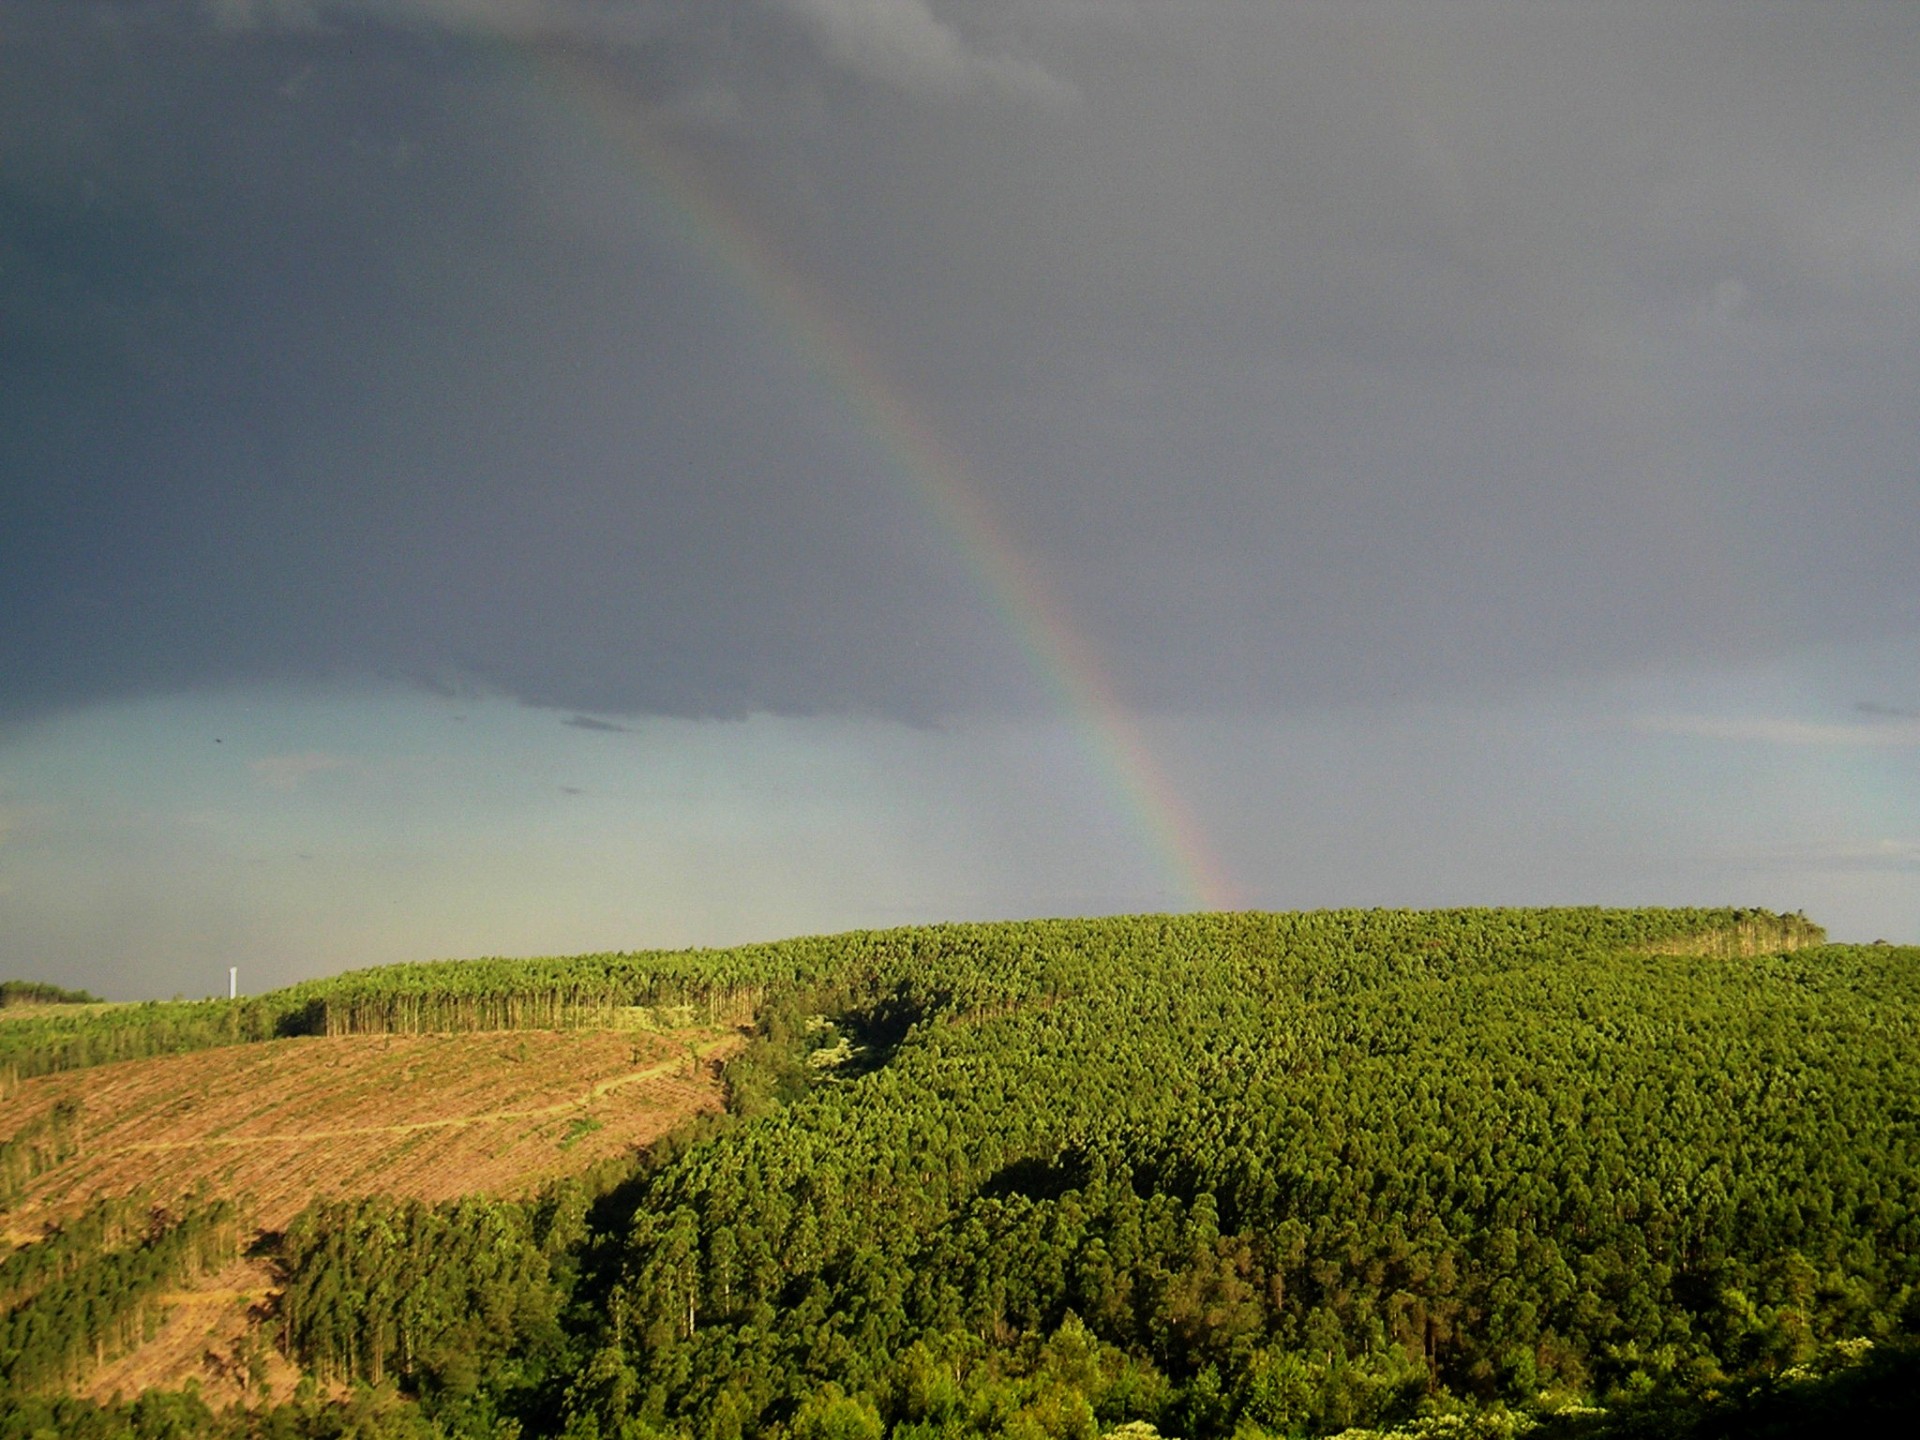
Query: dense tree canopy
(1231,1174)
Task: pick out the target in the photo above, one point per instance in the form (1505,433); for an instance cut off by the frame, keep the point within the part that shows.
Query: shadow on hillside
(1878,1398)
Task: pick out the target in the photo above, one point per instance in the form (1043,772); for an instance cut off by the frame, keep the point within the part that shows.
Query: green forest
(1574,1172)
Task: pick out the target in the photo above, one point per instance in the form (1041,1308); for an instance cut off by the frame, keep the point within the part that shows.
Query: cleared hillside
(278,1125)
(281,1123)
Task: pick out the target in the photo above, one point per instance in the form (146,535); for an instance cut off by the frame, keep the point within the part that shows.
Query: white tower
(233,982)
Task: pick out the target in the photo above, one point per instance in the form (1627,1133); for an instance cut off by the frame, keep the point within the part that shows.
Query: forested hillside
(1582,1171)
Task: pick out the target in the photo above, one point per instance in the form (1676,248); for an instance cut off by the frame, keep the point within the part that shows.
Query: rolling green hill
(1464,1172)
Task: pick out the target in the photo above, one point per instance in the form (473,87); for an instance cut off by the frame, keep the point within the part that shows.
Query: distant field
(427,1117)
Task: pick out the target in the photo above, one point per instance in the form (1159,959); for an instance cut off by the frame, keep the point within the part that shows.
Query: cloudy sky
(518,476)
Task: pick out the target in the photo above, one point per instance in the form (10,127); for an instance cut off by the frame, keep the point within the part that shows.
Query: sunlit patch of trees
(986,966)
(1316,1176)
(40,1144)
(39,992)
(95,1289)
(434,1296)
(106,1225)
(49,1041)
(1460,1172)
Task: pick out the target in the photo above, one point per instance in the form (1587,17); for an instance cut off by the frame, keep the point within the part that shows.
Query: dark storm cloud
(589,722)
(358,388)
(1309,352)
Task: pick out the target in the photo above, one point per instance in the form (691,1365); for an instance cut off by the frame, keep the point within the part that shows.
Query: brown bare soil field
(429,1117)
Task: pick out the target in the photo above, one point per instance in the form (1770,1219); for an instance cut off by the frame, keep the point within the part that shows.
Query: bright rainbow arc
(1053,649)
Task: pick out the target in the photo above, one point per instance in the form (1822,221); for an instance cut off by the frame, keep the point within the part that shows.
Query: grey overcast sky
(508,475)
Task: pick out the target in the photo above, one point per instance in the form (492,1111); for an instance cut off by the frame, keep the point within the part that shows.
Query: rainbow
(711,227)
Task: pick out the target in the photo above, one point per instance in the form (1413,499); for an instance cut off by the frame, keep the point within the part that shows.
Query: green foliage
(435,1296)
(47,1140)
(984,966)
(106,1225)
(1849,1388)
(78,1306)
(48,1041)
(39,992)
(1309,1171)
(368,1414)
(578,1129)
(1441,1173)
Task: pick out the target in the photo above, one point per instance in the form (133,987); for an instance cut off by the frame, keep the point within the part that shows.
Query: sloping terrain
(1466,1172)
(279,1124)
(217,1334)
(426,1117)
